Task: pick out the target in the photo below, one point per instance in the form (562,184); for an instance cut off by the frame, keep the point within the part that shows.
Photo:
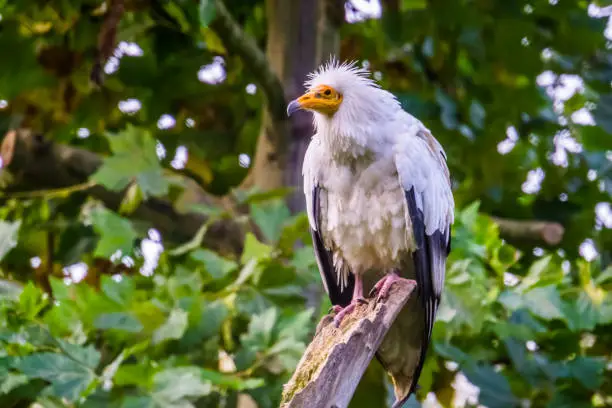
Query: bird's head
(344,92)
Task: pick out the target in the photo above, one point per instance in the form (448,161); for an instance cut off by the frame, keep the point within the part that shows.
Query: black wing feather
(431,253)
(337,295)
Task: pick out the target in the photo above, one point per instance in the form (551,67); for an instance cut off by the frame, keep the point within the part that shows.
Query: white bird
(380,207)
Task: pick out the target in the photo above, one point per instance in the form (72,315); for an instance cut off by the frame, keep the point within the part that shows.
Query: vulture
(380,208)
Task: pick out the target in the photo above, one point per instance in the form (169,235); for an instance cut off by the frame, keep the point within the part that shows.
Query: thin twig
(51,193)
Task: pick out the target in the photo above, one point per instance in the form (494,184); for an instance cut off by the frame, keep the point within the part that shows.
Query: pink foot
(383,286)
(335,308)
(342,312)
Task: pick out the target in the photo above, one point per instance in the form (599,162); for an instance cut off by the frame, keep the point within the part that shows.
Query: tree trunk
(301,34)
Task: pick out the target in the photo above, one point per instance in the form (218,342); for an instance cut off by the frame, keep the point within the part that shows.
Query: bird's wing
(316,198)
(338,294)
(424,176)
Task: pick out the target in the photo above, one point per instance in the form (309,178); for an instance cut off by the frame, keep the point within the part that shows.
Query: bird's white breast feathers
(363,214)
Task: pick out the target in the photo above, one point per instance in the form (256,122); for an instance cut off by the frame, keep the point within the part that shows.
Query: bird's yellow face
(323,99)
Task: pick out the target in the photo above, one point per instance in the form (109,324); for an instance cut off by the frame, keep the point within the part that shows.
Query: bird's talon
(341,312)
(383,286)
(345,311)
(335,308)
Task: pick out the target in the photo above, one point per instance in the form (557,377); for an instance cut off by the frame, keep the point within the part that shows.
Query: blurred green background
(154,250)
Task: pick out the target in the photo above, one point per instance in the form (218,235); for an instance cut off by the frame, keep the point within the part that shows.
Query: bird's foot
(341,312)
(383,286)
(335,308)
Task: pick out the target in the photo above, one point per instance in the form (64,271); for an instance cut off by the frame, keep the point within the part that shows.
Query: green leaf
(12,381)
(10,290)
(603,113)
(582,314)
(87,356)
(511,300)
(153,182)
(139,374)
(230,381)
(290,340)
(173,328)
(131,200)
(246,273)
(109,372)
(31,301)
(588,371)
(494,387)
(216,266)
(452,353)
(120,292)
(541,273)
(176,384)
(594,138)
(604,276)
(118,321)
(195,242)
(177,13)
(477,114)
(270,217)
(255,195)
(259,334)
(116,233)
(409,5)
(605,311)
(303,258)
(205,319)
(544,302)
(131,401)
(253,249)
(134,158)
(68,378)
(8,236)
(296,327)
(564,398)
(206,11)
(448,107)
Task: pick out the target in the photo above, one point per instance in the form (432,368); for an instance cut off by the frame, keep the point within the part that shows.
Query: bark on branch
(41,164)
(334,362)
(530,232)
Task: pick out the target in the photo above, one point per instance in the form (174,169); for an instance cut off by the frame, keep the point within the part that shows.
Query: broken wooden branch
(534,232)
(335,360)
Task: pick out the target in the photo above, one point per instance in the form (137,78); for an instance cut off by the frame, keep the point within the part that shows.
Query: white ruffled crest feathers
(340,74)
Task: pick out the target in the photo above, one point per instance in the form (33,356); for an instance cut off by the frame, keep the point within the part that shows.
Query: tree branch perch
(334,362)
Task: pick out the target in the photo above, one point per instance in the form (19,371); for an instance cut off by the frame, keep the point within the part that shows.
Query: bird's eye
(327,92)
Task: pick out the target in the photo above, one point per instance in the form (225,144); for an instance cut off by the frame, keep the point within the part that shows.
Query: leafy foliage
(176,340)
(98,309)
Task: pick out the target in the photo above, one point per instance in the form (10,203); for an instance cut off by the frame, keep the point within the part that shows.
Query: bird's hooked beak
(323,99)
(293,107)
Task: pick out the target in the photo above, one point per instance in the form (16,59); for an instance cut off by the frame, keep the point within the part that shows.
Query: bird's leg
(341,312)
(383,286)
